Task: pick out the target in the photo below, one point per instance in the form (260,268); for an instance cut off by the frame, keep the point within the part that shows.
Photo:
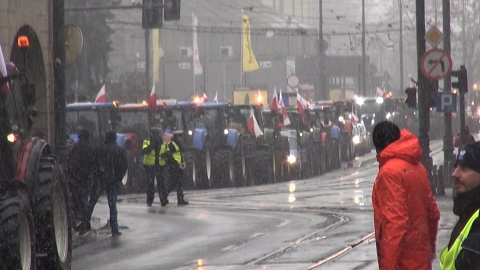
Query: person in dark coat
(111,167)
(466,139)
(176,165)
(463,250)
(81,166)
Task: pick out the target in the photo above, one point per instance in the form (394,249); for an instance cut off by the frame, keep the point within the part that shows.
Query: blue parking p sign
(446,102)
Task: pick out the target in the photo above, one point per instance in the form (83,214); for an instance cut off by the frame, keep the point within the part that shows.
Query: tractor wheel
(263,172)
(223,168)
(17,233)
(279,166)
(313,160)
(190,172)
(240,169)
(204,169)
(52,216)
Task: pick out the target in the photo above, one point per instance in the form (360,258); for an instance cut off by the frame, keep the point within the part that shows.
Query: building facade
(34,20)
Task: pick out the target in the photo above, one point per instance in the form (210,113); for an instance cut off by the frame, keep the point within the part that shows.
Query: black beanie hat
(470,157)
(384,133)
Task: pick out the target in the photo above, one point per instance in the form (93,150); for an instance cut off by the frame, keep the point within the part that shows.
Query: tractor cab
(96,118)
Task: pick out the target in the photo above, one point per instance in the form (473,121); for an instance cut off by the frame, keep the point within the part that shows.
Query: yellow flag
(249,61)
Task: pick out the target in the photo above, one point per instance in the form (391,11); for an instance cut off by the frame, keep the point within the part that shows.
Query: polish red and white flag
(152,100)
(281,105)
(274,103)
(253,126)
(101,96)
(301,105)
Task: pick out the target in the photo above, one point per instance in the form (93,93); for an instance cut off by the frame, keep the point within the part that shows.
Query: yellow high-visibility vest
(149,159)
(177,155)
(448,256)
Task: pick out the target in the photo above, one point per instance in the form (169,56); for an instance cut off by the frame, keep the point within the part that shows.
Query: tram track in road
(339,221)
(364,239)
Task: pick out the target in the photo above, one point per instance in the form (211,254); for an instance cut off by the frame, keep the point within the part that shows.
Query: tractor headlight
(356,139)
(291,159)
(12,137)
(190,132)
(300,134)
(225,131)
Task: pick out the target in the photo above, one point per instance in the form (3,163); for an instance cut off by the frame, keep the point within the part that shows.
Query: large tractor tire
(313,158)
(17,232)
(264,167)
(240,168)
(223,174)
(204,169)
(280,164)
(52,216)
(190,179)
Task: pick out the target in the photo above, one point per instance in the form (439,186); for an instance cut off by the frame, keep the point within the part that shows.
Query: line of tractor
(222,148)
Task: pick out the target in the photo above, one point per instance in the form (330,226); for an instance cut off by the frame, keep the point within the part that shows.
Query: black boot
(182,202)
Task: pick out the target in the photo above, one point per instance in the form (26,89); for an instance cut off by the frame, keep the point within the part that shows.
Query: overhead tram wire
(262,31)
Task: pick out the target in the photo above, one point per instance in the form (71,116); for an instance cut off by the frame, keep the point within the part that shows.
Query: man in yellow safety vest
(155,166)
(463,250)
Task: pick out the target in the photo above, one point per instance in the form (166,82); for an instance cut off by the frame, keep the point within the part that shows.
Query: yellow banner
(249,60)
(249,97)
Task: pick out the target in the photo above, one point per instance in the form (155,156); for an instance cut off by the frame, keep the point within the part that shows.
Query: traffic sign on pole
(436,64)
(434,36)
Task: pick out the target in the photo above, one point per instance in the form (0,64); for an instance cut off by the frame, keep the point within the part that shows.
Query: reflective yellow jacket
(149,159)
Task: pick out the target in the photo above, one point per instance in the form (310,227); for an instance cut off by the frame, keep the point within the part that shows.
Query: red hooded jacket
(405,213)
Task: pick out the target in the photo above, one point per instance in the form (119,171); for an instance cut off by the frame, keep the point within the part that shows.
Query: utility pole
(59,106)
(401,46)
(148,65)
(448,139)
(424,86)
(363,72)
(321,91)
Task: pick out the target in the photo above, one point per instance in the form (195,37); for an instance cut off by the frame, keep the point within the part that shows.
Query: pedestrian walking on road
(111,168)
(467,138)
(463,250)
(176,165)
(405,212)
(155,166)
(81,166)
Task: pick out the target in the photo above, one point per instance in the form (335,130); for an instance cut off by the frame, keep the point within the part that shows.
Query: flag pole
(193,57)
(241,50)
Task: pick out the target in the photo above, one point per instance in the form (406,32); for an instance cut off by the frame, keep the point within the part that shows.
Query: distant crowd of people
(94,169)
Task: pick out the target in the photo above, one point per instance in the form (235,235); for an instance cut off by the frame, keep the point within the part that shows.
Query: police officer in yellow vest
(176,165)
(463,250)
(155,166)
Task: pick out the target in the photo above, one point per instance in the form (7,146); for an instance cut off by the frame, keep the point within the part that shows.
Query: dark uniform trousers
(156,172)
(176,178)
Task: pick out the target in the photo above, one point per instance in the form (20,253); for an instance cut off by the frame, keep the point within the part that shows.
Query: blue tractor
(215,146)
(96,118)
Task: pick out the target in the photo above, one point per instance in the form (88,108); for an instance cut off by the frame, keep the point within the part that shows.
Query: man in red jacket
(405,212)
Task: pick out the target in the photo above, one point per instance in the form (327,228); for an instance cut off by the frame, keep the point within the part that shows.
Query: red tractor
(35,222)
